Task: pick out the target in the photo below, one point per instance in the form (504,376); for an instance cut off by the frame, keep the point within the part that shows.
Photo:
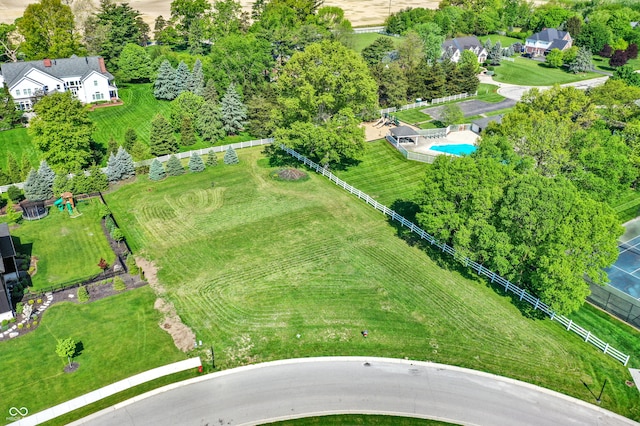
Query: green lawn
(18,142)
(412,116)
(627,206)
(603,63)
(360,41)
(250,263)
(504,40)
(354,419)
(529,72)
(489,93)
(68,248)
(120,337)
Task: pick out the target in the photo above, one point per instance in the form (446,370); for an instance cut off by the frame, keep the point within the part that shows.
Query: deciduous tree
(134,64)
(66,348)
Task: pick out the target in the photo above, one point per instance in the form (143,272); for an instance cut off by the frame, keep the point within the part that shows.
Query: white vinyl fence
(451,98)
(521,293)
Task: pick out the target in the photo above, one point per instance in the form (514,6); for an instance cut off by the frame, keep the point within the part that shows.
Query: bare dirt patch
(183,337)
(373,132)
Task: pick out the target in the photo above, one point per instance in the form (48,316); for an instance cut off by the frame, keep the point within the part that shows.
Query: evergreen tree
(113,173)
(130,138)
(187,133)
(165,85)
(125,166)
(210,93)
(156,171)
(234,113)
(25,167)
(582,63)
(208,123)
(196,79)
(32,186)
(195,163)
(494,55)
(182,76)
(162,141)
(112,146)
(13,170)
(46,176)
(96,181)
(231,157)
(174,166)
(212,159)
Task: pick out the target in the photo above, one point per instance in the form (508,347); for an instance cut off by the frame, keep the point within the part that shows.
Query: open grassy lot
(504,40)
(529,72)
(353,419)
(18,142)
(489,93)
(120,337)
(250,263)
(360,41)
(412,116)
(68,249)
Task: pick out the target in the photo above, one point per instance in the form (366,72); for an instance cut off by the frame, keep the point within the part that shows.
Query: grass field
(18,142)
(504,40)
(489,93)
(528,72)
(120,337)
(250,263)
(603,63)
(364,420)
(412,116)
(68,249)
(360,41)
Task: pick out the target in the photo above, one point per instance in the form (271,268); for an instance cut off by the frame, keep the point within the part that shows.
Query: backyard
(68,249)
(251,263)
(528,72)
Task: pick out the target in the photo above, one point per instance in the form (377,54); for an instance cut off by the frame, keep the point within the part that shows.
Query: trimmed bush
(39,301)
(31,302)
(19,308)
(118,284)
(83,294)
(132,266)
(231,157)
(174,166)
(20,326)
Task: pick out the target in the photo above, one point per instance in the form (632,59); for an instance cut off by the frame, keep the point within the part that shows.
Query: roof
(6,243)
(462,43)
(403,131)
(548,35)
(484,122)
(559,44)
(4,300)
(74,66)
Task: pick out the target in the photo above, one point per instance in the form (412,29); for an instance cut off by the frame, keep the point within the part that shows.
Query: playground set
(66,200)
(387,120)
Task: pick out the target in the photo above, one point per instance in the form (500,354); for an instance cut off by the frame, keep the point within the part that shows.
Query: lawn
(412,116)
(360,41)
(120,337)
(529,72)
(627,206)
(603,63)
(250,263)
(354,419)
(18,142)
(504,40)
(68,249)
(489,93)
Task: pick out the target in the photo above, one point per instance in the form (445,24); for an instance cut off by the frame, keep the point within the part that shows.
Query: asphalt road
(315,386)
(473,107)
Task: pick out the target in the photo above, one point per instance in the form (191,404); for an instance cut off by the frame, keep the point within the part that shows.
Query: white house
(455,46)
(86,77)
(550,38)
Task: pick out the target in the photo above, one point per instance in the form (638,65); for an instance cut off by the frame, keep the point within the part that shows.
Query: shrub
(104,210)
(31,302)
(195,163)
(39,301)
(156,171)
(212,159)
(28,325)
(15,194)
(83,294)
(109,223)
(34,317)
(174,166)
(132,266)
(142,170)
(34,323)
(117,234)
(12,320)
(231,157)
(118,284)
(19,308)
(20,326)
(5,322)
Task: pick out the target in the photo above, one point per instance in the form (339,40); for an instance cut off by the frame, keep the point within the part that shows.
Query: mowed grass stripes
(252,263)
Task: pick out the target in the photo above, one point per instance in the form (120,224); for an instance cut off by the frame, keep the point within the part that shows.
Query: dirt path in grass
(183,337)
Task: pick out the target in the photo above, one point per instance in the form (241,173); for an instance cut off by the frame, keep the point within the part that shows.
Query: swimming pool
(456,149)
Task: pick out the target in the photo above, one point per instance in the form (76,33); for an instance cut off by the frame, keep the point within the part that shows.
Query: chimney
(47,63)
(101,63)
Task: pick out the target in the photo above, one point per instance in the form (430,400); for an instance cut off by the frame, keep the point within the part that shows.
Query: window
(29,92)
(97,96)
(17,92)
(58,86)
(95,82)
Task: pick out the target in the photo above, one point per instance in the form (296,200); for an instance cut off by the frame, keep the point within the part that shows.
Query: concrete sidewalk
(91,397)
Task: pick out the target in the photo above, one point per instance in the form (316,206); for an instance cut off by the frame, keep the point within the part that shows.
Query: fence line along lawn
(528,72)
(251,263)
(120,337)
(67,248)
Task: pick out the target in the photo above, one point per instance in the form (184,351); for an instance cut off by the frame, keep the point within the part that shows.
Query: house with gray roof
(454,47)
(8,271)
(550,38)
(86,77)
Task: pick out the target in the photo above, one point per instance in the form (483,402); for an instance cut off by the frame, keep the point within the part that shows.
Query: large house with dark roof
(550,38)
(86,77)
(455,46)
(8,271)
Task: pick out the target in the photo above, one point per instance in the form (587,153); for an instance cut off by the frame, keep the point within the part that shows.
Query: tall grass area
(529,72)
(119,335)
(250,263)
(67,249)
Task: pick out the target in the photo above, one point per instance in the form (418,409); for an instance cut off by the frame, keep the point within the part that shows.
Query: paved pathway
(318,386)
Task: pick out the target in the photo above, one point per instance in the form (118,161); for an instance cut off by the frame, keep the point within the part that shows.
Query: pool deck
(424,146)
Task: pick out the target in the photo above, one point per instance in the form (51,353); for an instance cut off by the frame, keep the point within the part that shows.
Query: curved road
(314,386)
(515,92)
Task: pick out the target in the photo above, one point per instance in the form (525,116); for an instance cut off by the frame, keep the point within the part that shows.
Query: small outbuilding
(404,134)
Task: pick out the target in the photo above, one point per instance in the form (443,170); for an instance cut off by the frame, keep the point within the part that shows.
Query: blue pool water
(456,149)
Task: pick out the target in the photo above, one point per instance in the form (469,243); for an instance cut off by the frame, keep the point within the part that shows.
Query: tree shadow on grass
(408,209)
(79,349)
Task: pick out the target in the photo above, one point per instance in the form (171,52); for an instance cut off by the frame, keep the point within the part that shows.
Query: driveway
(472,107)
(296,388)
